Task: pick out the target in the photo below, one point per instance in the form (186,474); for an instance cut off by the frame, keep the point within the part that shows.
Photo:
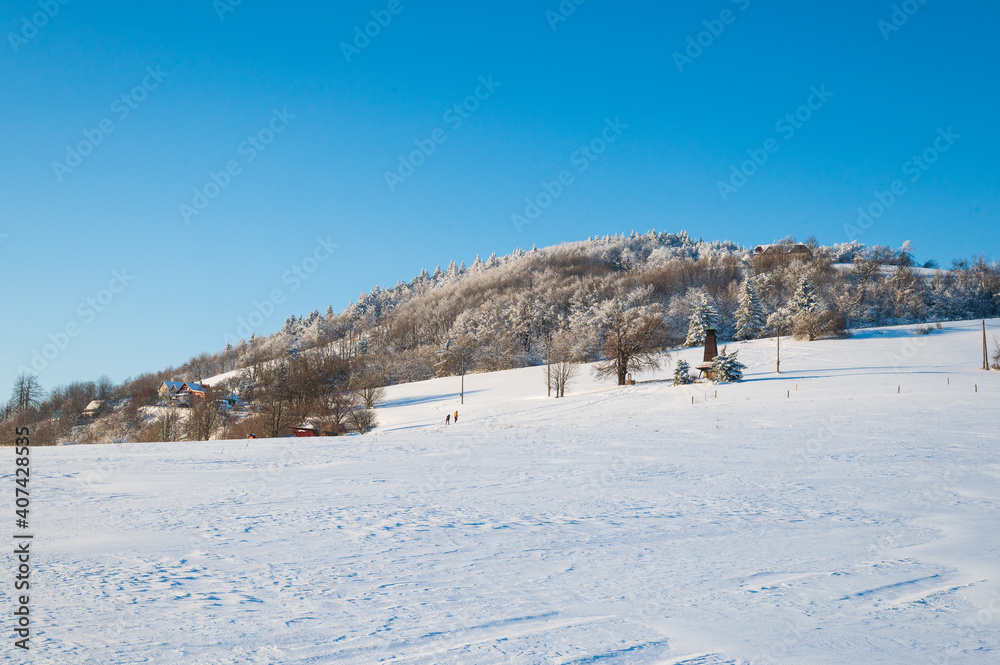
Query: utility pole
(986,351)
(777,368)
(548,367)
(461,394)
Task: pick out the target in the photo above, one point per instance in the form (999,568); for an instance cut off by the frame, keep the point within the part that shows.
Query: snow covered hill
(845,511)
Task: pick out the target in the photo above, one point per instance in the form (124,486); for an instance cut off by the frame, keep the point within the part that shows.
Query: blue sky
(189,89)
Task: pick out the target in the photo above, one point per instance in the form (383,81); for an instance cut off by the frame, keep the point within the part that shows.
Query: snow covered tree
(726,368)
(634,335)
(702,318)
(813,325)
(682,373)
(561,367)
(804,299)
(750,315)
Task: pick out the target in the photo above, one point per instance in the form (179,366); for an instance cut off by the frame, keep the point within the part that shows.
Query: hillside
(572,304)
(844,511)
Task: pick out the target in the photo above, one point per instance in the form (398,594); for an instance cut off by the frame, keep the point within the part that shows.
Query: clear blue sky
(215,82)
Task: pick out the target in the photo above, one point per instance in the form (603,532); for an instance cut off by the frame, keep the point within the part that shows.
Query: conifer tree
(682,373)
(750,315)
(702,319)
(726,368)
(804,299)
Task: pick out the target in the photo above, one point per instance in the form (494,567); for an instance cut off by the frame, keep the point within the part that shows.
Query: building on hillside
(791,250)
(185,393)
(94,408)
(170,388)
(196,391)
(308,429)
(231,403)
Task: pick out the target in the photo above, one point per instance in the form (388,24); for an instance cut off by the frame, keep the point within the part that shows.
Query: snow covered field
(845,511)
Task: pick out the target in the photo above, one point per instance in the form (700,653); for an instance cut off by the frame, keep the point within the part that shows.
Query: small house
(94,408)
(170,388)
(195,391)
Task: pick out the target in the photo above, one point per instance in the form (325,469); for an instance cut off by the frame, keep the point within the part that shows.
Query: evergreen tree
(702,319)
(726,368)
(682,373)
(804,299)
(750,315)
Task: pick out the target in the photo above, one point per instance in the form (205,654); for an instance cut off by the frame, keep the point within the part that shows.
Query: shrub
(363,420)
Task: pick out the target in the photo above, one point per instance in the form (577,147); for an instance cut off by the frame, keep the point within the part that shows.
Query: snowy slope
(845,511)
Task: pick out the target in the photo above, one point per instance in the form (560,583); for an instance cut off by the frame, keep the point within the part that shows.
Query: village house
(183,392)
(94,408)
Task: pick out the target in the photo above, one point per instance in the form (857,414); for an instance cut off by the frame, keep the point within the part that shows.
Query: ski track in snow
(814,517)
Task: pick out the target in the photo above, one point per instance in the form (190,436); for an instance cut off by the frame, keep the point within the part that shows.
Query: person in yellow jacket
(456,417)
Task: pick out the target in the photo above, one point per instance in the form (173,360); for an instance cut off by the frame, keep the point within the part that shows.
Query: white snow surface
(844,511)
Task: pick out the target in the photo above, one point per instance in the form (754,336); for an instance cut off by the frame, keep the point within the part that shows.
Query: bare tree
(363,420)
(105,387)
(370,389)
(868,264)
(562,366)
(272,397)
(813,325)
(634,336)
(143,391)
(27,393)
(338,405)
(457,356)
(168,427)
(203,420)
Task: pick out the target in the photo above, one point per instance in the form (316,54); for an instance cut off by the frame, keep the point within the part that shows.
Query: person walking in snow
(456,417)
(447,419)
